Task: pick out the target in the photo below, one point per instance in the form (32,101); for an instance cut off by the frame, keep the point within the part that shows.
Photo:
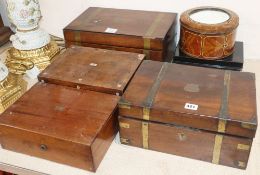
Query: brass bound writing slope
(200,113)
(147,32)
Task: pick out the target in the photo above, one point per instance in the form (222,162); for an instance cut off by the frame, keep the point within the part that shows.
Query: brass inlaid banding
(77,34)
(241,164)
(222,121)
(148,104)
(124,125)
(145,134)
(124,141)
(243,147)
(147,54)
(150,31)
(217,149)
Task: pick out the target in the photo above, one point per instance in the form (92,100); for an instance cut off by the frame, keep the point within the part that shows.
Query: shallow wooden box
(232,62)
(200,113)
(94,69)
(61,124)
(150,33)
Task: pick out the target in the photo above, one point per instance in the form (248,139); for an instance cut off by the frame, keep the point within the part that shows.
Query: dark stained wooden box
(61,124)
(201,113)
(232,62)
(5,33)
(95,69)
(150,33)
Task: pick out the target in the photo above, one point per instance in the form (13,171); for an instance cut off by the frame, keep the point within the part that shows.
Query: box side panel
(111,39)
(46,147)
(187,142)
(104,139)
(150,54)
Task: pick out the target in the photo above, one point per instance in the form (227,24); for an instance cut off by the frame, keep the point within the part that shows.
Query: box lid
(118,27)
(93,69)
(201,98)
(61,112)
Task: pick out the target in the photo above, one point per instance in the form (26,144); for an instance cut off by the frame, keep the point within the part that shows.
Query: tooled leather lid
(205,28)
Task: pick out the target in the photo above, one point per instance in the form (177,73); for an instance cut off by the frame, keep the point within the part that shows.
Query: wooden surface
(153,54)
(187,142)
(128,160)
(61,124)
(93,69)
(165,88)
(141,29)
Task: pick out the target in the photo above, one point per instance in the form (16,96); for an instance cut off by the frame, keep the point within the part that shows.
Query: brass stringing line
(148,104)
(77,34)
(150,31)
(222,122)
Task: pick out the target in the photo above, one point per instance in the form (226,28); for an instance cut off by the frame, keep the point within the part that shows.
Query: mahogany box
(147,32)
(200,113)
(232,62)
(94,69)
(61,124)
(5,33)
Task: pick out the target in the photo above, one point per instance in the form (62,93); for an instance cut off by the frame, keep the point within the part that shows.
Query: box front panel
(150,54)
(43,146)
(186,142)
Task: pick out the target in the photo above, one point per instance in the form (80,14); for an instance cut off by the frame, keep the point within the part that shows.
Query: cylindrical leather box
(208,32)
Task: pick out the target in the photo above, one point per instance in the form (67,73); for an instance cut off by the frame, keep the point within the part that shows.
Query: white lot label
(110,30)
(3,71)
(191,106)
(33,73)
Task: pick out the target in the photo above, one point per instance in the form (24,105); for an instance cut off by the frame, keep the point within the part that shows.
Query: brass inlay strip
(77,34)
(145,134)
(224,104)
(222,121)
(217,149)
(150,31)
(222,126)
(248,126)
(156,84)
(147,54)
(123,106)
(147,43)
(146,113)
(154,25)
(124,141)
(241,164)
(148,104)
(243,147)
(124,125)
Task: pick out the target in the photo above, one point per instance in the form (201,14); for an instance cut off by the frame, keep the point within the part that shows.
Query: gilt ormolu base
(18,61)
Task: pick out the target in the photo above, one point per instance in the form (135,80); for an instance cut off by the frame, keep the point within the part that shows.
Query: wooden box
(200,113)
(61,124)
(5,33)
(232,62)
(95,69)
(150,33)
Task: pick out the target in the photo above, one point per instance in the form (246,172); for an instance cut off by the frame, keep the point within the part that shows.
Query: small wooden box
(61,124)
(201,113)
(232,62)
(95,69)
(150,33)
(5,33)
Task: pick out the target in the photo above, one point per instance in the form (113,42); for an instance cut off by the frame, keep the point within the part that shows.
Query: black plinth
(232,62)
